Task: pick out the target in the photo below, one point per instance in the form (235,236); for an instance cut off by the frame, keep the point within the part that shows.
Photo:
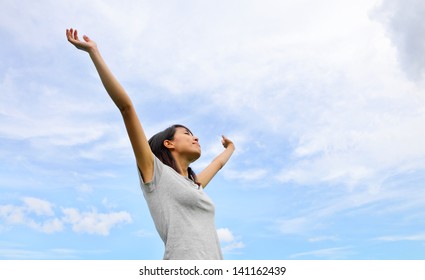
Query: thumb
(223,141)
(86,38)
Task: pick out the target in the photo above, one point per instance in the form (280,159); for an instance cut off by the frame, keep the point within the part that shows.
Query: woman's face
(185,143)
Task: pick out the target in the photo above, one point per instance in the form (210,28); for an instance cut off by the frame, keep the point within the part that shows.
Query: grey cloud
(405,26)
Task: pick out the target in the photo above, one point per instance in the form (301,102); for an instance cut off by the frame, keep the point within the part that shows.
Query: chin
(195,156)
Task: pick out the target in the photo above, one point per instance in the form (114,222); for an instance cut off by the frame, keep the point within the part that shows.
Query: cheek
(181,142)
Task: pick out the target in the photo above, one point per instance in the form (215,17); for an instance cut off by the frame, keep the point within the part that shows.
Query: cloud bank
(39,215)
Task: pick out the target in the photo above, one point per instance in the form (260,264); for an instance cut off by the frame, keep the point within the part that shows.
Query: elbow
(126,108)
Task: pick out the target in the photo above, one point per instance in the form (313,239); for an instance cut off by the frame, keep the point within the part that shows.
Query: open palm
(86,45)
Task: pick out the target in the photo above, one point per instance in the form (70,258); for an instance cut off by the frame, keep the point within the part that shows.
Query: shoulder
(158,171)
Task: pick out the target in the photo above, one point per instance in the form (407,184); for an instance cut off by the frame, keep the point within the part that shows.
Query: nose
(196,138)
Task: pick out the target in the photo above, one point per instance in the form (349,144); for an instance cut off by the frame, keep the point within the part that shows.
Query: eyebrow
(187,130)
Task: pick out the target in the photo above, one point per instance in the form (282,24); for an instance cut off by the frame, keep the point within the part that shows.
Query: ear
(168,144)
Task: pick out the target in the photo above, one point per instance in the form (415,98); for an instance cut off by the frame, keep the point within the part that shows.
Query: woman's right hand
(86,45)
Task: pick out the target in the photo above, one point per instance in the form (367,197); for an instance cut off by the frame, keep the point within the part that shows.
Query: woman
(182,213)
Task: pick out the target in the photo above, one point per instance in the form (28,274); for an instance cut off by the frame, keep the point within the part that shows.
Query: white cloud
(327,206)
(322,238)
(93,222)
(267,77)
(47,221)
(59,122)
(39,206)
(245,175)
(414,237)
(47,226)
(230,243)
(143,233)
(233,247)
(334,103)
(294,225)
(328,253)
(225,235)
(352,143)
(38,29)
(11,214)
(21,215)
(84,188)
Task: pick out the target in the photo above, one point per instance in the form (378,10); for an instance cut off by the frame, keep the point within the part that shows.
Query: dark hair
(158,148)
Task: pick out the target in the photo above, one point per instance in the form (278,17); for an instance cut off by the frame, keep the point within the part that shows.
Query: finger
(76,35)
(69,35)
(86,38)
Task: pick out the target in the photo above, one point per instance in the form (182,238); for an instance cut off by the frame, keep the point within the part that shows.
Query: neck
(182,165)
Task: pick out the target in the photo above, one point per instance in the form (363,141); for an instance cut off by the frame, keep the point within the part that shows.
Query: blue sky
(325,101)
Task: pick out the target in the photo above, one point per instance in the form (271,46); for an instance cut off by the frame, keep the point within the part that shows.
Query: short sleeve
(157,171)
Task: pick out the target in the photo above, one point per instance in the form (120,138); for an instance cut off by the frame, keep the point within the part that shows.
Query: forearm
(209,172)
(111,84)
(222,158)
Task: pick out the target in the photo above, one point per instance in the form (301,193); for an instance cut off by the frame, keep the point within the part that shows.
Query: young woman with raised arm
(182,213)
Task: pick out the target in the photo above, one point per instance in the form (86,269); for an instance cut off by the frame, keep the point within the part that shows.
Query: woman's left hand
(87,45)
(227,143)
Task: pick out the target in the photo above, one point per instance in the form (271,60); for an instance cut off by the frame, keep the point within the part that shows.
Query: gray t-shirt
(183,215)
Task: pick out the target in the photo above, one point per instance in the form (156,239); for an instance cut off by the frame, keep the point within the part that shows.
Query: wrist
(230,147)
(93,51)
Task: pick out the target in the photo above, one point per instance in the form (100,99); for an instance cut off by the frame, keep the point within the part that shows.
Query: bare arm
(139,142)
(211,170)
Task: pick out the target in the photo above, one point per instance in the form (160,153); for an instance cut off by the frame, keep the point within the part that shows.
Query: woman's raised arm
(139,142)
(211,170)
